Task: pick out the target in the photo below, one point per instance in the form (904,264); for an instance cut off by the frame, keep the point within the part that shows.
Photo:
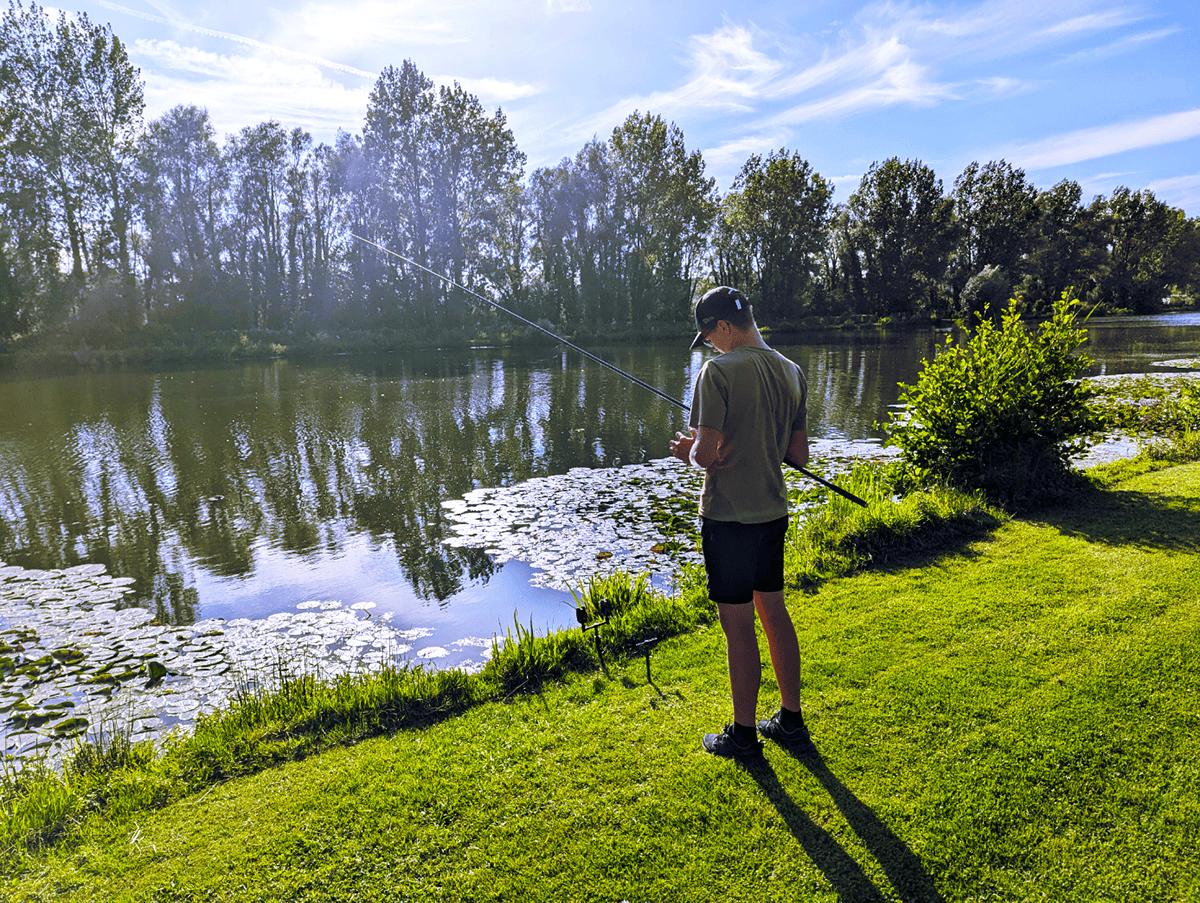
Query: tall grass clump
(1178,448)
(1003,413)
(38,805)
(630,612)
(842,538)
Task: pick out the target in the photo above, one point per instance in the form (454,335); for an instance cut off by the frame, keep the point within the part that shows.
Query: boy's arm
(797,453)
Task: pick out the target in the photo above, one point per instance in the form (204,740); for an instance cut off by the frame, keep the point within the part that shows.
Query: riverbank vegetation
(131,242)
(1008,716)
(291,715)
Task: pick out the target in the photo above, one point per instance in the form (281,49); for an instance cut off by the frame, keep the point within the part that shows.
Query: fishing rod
(599,360)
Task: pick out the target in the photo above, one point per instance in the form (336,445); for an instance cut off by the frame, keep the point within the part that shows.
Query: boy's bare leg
(785,648)
(741,650)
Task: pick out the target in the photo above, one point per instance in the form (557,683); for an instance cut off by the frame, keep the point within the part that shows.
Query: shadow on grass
(886,550)
(908,877)
(846,876)
(1125,517)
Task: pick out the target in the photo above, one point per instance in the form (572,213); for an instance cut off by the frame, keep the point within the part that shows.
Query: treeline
(118,227)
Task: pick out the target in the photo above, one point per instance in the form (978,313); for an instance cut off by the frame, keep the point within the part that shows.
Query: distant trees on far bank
(114,226)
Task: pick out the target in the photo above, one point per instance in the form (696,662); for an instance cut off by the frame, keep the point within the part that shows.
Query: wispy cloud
(728,76)
(892,54)
(996,86)
(1116,48)
(1178,191)
(235,38)
(241,90)
(1090,22)
(491,90)
(1105,140)
(729,156)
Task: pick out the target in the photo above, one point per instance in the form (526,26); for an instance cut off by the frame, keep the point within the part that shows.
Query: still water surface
(246,491)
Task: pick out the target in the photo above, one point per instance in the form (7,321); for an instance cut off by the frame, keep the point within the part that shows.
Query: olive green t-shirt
(757,398)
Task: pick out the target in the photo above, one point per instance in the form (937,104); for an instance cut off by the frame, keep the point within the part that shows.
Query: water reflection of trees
(152,475)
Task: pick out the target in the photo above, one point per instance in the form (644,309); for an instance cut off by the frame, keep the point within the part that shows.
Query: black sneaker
(795,738)
(728,745)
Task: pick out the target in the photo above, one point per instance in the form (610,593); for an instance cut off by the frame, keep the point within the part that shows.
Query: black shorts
(741,559)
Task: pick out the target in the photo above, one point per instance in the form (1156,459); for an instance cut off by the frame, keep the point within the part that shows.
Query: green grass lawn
(1016,720)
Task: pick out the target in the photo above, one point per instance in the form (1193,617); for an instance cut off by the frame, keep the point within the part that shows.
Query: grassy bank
(1013,718)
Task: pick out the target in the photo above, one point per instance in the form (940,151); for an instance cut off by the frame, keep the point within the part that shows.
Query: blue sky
(1105,93)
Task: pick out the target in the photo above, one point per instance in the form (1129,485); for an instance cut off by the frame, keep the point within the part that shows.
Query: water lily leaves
(156,671)
(70,727)
(573,525)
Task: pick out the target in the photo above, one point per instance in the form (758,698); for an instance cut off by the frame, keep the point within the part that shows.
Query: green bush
(1002,413)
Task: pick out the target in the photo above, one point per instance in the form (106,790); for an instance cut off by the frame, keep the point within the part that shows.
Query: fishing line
(599,360)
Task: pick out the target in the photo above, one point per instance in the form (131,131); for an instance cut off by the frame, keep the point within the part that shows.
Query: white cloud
(729,156)
(237,39)
(490,91)
(241,90)
(996,86)
(1090,22)
(1179,191)
(348,28)
(847,185)
(1103,141)
(892,54)
(904,83)
(1124,45)
(727,77)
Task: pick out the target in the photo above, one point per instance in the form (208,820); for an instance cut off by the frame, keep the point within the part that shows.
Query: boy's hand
(681,446)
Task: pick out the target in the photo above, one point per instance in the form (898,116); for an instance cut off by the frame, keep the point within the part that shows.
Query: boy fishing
(748,415)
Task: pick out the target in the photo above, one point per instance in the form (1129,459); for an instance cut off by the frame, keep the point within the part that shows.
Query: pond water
(327,516)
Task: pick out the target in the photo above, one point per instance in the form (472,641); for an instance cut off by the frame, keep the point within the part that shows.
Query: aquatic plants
(1159,404)
(76,655)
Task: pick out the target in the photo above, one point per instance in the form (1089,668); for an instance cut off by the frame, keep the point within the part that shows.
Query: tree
(995,209)
(474,167)
(554,286)
(440,170)
(111,105)
(900,227)
(71,105)
(1142,234)
(665,208)
(1066,249)
(258,161)
(184,183)
(776,215)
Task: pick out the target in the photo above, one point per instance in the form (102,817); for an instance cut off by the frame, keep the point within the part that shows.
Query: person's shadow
(902,867)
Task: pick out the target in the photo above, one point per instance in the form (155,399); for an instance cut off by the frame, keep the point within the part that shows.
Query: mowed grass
(1014,720)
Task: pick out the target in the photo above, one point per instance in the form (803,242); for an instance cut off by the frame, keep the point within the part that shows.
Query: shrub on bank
(1003,413)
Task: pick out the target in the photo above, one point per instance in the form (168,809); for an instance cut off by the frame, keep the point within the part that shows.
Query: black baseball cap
(720,303)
